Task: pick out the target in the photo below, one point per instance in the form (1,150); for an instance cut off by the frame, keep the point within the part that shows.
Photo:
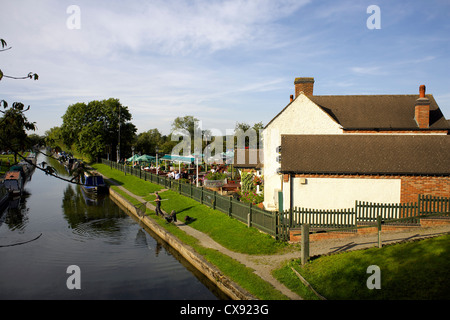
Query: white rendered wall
(302,117)
(341,193)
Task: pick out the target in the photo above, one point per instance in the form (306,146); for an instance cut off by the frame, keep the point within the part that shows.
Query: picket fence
(363,214)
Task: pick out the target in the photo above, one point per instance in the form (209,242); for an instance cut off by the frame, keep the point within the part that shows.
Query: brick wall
(412,186)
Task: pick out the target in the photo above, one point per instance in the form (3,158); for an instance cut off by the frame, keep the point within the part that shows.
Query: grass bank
(6,161)
(409,271)
(227,231)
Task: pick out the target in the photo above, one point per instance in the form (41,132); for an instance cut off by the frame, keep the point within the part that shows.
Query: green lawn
(132,183)
(416,270)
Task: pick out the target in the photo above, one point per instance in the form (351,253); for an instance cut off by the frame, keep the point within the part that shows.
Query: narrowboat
(94,184)
(14,183)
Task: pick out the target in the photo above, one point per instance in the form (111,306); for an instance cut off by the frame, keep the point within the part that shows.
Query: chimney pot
(422,91)
(304,84)
(292,97)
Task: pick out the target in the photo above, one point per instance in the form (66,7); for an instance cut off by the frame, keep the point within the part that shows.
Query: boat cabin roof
(12,175)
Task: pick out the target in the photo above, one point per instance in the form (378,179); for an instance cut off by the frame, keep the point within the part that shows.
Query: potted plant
(215,180)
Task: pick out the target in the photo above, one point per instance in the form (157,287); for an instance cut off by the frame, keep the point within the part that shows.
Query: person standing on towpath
(158,204)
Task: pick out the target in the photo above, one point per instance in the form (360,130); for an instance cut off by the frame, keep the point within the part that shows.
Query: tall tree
(187,125)
(250,134)
(147,142)
(99,127)
(14,126)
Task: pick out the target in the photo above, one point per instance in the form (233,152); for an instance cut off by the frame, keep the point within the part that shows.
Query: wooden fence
(364,213)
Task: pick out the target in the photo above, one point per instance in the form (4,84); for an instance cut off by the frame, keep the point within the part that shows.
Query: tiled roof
(376,112)
(366,154)
(385,112)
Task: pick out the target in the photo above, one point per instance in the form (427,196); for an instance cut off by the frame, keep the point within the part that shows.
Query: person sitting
(171,217)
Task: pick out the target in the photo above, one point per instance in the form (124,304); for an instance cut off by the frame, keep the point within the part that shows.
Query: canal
(54,227)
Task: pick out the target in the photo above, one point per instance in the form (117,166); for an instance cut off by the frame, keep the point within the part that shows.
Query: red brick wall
(411,186)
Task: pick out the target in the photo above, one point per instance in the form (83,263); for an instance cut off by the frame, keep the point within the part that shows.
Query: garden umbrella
(146,158)
(133,158)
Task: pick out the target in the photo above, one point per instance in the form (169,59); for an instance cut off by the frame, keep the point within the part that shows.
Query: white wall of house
(301,117)
(340,193)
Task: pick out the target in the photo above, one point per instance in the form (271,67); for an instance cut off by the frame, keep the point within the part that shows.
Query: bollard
(305,243)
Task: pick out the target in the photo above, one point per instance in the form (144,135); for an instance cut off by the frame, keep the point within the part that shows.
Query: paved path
(264,265)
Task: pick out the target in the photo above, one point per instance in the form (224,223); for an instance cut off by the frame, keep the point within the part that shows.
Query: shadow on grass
(115,182)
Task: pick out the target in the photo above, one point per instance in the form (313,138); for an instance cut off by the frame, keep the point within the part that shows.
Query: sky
(221,61)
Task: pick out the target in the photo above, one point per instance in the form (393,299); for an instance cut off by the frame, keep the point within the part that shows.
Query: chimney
(304,84)
(422,112)
(292,97)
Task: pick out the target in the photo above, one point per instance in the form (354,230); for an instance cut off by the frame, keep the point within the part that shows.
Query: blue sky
(220,61)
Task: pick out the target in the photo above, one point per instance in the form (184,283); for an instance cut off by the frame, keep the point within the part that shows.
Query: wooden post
(305,243)
(379,231)
(249,216)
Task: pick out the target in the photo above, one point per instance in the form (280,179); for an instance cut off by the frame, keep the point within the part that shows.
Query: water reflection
(15,214)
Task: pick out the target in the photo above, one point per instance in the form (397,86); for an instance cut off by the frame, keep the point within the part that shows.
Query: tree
(251,134)
(14,126)
(187,125)
(98,127)
(53,137)
(147,142)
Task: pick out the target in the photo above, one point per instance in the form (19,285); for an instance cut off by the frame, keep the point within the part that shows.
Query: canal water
(53,227)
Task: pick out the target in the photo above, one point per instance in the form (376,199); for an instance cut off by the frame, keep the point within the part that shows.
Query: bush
(216,176)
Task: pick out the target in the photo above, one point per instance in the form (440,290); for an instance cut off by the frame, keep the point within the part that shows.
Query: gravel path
(264,265)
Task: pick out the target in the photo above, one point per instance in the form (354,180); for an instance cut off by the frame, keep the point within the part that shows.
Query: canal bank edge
(229,287)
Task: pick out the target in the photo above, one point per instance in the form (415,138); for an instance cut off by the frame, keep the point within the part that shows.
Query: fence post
(249,215)
(379,231)
(230,206)
(305,243)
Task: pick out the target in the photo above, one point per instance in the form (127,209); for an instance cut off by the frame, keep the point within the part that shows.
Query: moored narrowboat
(14,183)
(94,184)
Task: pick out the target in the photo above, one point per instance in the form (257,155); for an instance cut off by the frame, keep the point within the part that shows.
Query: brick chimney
(304,84)
(422,112)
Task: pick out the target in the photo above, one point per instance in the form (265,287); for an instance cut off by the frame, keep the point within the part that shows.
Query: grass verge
(408,271)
